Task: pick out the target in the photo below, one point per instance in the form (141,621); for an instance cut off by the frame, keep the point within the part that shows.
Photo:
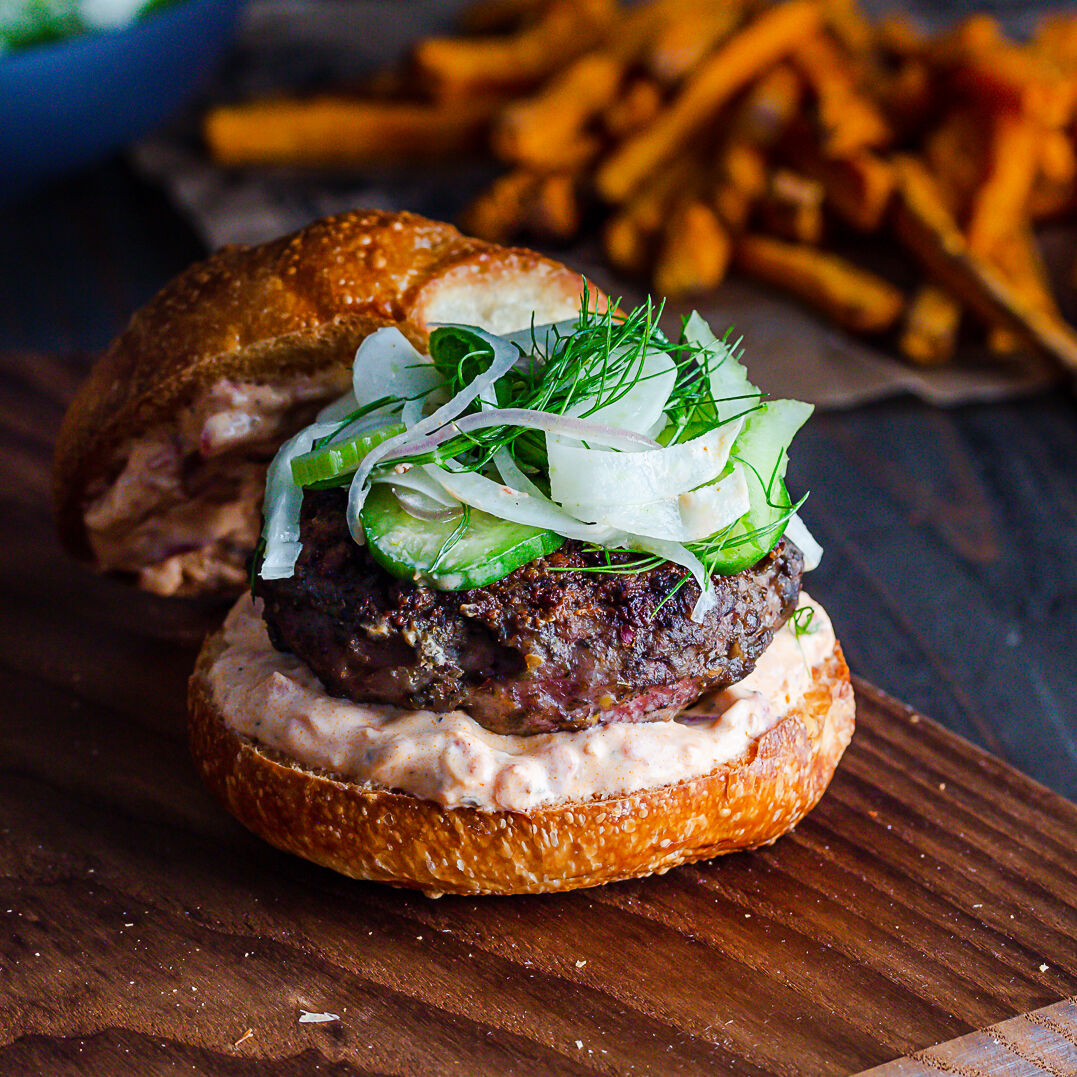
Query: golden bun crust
(399,839)
(299,305)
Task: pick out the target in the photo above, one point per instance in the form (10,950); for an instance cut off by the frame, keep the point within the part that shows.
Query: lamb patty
(541,650)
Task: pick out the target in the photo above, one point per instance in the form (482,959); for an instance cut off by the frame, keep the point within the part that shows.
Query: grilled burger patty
(541,650)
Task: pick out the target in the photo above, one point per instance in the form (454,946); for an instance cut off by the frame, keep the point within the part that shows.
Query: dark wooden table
(933,892)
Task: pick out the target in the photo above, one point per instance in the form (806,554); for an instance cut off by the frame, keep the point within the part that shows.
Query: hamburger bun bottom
(397,838)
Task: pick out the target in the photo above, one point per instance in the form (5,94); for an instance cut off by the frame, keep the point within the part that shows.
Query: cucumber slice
(339,458)
(444,554)
(762,448)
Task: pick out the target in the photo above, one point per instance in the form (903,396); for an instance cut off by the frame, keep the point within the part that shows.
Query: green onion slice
(340,458)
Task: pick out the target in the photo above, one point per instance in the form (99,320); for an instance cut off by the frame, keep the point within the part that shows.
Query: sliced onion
(412,412)
(283,502)
(692,516)
(387,364)
(422,507)
(527,418)
(601,433)
(511,474)
(415,479)
(797,532)
(504,357)
(597,477)
(519,507)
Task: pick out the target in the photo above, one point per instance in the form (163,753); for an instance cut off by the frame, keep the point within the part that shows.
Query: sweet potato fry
(1001,340)
(932,320)
(752,50)
(1054,191)
(848,120)
(1017,257)
(341,131)
(503,208)
(458,67)
(632,232)
(642,23)
(849,295)
(742,165)
(545,131)
(733,206)
(768,107)
(682,43)
(1057,157)
(906,96)
(1000,204)
(900,36)
(995,231)
(627,244)
(859,188)
(846,22)
(651,204)
(555,210)
(1014,78)
(740,180)
(1056,36)
(633,109)
(694,254)
(792,207)
(957,152)
(976,34)
(927,229)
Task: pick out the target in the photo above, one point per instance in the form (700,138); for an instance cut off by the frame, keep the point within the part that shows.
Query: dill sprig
(802,620)
(596,363)
(458,533)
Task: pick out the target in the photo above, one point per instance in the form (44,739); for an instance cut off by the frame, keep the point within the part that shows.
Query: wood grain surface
(1042,1043)
(933,892)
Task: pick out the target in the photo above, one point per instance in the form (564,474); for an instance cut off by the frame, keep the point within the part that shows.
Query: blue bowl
(72,102)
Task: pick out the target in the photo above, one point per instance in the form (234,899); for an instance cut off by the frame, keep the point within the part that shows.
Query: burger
(519,576)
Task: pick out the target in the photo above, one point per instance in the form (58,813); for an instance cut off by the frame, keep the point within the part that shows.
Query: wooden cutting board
(932,893)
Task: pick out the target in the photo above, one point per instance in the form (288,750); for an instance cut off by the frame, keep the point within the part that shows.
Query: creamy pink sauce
(276,700)
(184,509)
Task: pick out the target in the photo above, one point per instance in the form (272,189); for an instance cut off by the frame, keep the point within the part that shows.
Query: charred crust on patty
(547,648)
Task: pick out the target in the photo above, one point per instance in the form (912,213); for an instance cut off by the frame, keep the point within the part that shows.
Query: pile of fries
(700,135)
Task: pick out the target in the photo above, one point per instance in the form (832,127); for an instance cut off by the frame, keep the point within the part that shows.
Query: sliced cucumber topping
(468,550)
(762,449)
(339,458)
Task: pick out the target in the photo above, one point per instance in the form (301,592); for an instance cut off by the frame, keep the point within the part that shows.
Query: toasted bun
(399,839)
(297,306)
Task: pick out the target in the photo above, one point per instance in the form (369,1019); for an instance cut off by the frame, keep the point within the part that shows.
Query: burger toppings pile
(463,465)
(573,523)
